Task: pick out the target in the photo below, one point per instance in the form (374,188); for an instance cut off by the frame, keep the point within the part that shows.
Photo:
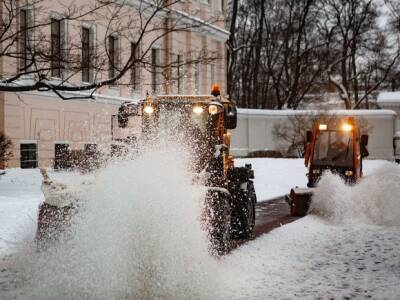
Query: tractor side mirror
(309,136)
(363,146)
(230,116)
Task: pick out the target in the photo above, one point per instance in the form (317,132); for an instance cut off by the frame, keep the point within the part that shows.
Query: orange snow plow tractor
(335,145)
(205,123)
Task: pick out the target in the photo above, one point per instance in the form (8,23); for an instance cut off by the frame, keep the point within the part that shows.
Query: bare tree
(294,52)
(276,58)
(305,48)
(361,51)
(85,47)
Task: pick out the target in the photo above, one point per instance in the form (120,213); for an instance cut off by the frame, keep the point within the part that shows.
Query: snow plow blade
(299,201)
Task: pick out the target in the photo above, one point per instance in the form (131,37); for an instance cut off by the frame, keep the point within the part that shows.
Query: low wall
(255,127)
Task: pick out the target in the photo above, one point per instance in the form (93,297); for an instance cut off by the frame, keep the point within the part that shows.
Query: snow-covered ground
(20,195)
(348,248)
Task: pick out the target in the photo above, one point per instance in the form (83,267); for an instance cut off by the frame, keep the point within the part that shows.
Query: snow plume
(374,200)
(137,236)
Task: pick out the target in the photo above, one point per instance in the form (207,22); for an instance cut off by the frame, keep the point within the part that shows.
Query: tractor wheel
(218,212)
(245,212)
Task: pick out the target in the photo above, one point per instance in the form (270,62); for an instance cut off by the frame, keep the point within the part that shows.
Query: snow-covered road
(348,250)
(312,259)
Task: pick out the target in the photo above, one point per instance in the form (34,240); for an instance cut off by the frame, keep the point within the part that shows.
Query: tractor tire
(52,221)
(218,214)
(244,212)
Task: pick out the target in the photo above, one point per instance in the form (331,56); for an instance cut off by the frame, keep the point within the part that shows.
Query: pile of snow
(374,200)
(138,235)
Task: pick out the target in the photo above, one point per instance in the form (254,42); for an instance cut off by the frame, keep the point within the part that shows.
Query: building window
(56,47)
(180,74)
(135,71)
(86,55)
(113,56)
(61,152)
(197,78)
(155,62)
(25,24)
(28,156)
(212,75)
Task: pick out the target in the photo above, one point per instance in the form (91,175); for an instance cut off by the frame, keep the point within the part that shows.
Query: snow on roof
(359,112)
(389,97)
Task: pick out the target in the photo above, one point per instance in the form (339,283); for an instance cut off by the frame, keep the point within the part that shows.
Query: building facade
(42,125)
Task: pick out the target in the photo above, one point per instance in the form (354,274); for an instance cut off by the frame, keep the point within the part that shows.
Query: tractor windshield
(190,126)
(334,148)
(175,121)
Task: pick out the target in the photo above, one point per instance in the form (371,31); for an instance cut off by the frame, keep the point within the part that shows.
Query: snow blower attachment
(205,122)
(335,145)
(56,212)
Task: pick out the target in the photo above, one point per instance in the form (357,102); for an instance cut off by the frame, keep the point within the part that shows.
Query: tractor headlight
(316,171)
(348,173)
(347,127)
(323,127)
(213,109)
(148,109)
(198,110)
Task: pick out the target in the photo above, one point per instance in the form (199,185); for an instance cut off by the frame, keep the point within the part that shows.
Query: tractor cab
(201,123)
(335,145)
